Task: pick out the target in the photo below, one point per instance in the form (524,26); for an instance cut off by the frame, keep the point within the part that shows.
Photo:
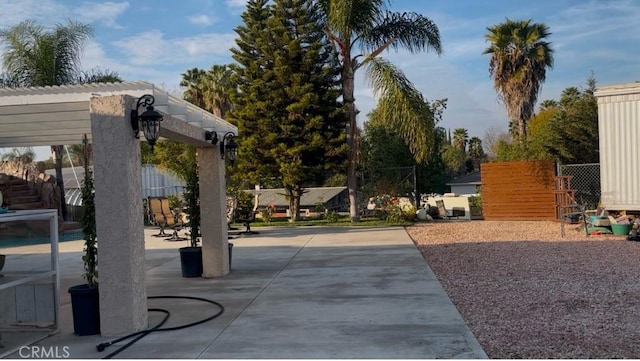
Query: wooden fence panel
(520,190)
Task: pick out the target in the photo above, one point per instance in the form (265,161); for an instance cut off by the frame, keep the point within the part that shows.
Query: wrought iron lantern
(150,120)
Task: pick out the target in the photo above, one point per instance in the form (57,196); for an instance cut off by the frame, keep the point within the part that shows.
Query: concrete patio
(305,292)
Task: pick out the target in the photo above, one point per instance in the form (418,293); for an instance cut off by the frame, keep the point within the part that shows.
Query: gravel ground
(526,292)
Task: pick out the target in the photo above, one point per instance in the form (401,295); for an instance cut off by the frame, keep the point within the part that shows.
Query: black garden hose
(140,334)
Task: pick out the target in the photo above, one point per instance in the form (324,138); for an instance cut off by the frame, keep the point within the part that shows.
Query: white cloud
(106,12)
(587,19)
(236,3)
(152,48)
(51,12)
(202,19)
(94,56)
(46,12)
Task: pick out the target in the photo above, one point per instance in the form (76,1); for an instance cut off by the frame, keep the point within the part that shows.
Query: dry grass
(525,292)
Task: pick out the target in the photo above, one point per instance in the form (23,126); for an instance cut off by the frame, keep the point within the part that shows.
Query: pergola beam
(60,114)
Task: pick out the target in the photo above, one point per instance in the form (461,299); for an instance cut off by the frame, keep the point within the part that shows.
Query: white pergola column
(215,252)
(120,229)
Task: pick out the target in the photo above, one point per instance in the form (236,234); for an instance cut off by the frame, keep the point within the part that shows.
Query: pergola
(62,115)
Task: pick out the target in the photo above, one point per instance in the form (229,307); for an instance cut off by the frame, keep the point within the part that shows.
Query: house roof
(473,178)
(310,197)
(41,116)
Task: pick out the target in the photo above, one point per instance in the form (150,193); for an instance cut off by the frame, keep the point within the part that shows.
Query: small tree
(88,221)
(192,197)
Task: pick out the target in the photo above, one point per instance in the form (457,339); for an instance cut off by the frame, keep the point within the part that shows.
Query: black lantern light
(212,137)
(150,120)
(228,147)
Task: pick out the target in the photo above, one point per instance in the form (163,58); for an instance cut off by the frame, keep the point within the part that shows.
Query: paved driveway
(299,292)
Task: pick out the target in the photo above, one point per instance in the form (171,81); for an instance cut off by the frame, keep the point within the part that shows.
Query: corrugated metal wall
(619,132)
(157,183)
(521,190)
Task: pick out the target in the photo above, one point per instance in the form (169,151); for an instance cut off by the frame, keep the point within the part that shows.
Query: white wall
(619,126)
(450,202)
(463,188)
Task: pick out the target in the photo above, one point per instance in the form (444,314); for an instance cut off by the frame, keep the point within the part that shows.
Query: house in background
(468,184)
(332,198)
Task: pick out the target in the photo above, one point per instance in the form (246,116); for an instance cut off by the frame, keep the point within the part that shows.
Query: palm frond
(402,106)
(347,17)
(20,42)
(69,40)
(410,31)
(37,57)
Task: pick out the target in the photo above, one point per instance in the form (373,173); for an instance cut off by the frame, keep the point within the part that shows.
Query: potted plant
(191,256)
(85,298)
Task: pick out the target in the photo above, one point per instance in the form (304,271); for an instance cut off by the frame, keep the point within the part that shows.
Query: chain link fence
(585,180)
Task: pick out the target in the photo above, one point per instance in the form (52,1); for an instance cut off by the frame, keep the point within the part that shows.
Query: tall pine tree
(286,108)
(251,109)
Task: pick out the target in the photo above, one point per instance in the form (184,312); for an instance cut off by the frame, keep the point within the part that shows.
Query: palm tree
(520,56)
(548,104)
(476,153)
(359,30)
(39,57)
(460,138)
(35,56)
(217,85)
(192,80)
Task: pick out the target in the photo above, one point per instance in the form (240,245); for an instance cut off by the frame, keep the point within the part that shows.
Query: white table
(13,279)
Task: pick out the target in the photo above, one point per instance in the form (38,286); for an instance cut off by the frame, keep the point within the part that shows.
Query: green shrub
(394,215)
(266,213)
(409,213)
(332,216)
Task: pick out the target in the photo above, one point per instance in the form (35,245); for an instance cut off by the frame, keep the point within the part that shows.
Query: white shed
(619,133)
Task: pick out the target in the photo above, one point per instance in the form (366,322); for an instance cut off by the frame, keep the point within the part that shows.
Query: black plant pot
(191,261)
(85,306)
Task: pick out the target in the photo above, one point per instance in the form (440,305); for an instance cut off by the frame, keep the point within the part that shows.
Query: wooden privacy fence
(519,190)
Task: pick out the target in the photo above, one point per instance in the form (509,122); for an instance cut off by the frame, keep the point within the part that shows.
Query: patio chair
(170,221)
(156,217)
(251,217)
(442,211)
(445,214)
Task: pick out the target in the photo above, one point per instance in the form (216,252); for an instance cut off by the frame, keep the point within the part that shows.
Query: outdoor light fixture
(211,136)
(228,147)
(150,120)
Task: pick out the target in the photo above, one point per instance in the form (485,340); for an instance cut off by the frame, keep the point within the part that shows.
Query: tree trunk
(416,189)
(522,125)
(348,81)
(57,150)
(294,203)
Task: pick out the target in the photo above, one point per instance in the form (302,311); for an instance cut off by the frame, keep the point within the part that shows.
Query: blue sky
(158,40)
